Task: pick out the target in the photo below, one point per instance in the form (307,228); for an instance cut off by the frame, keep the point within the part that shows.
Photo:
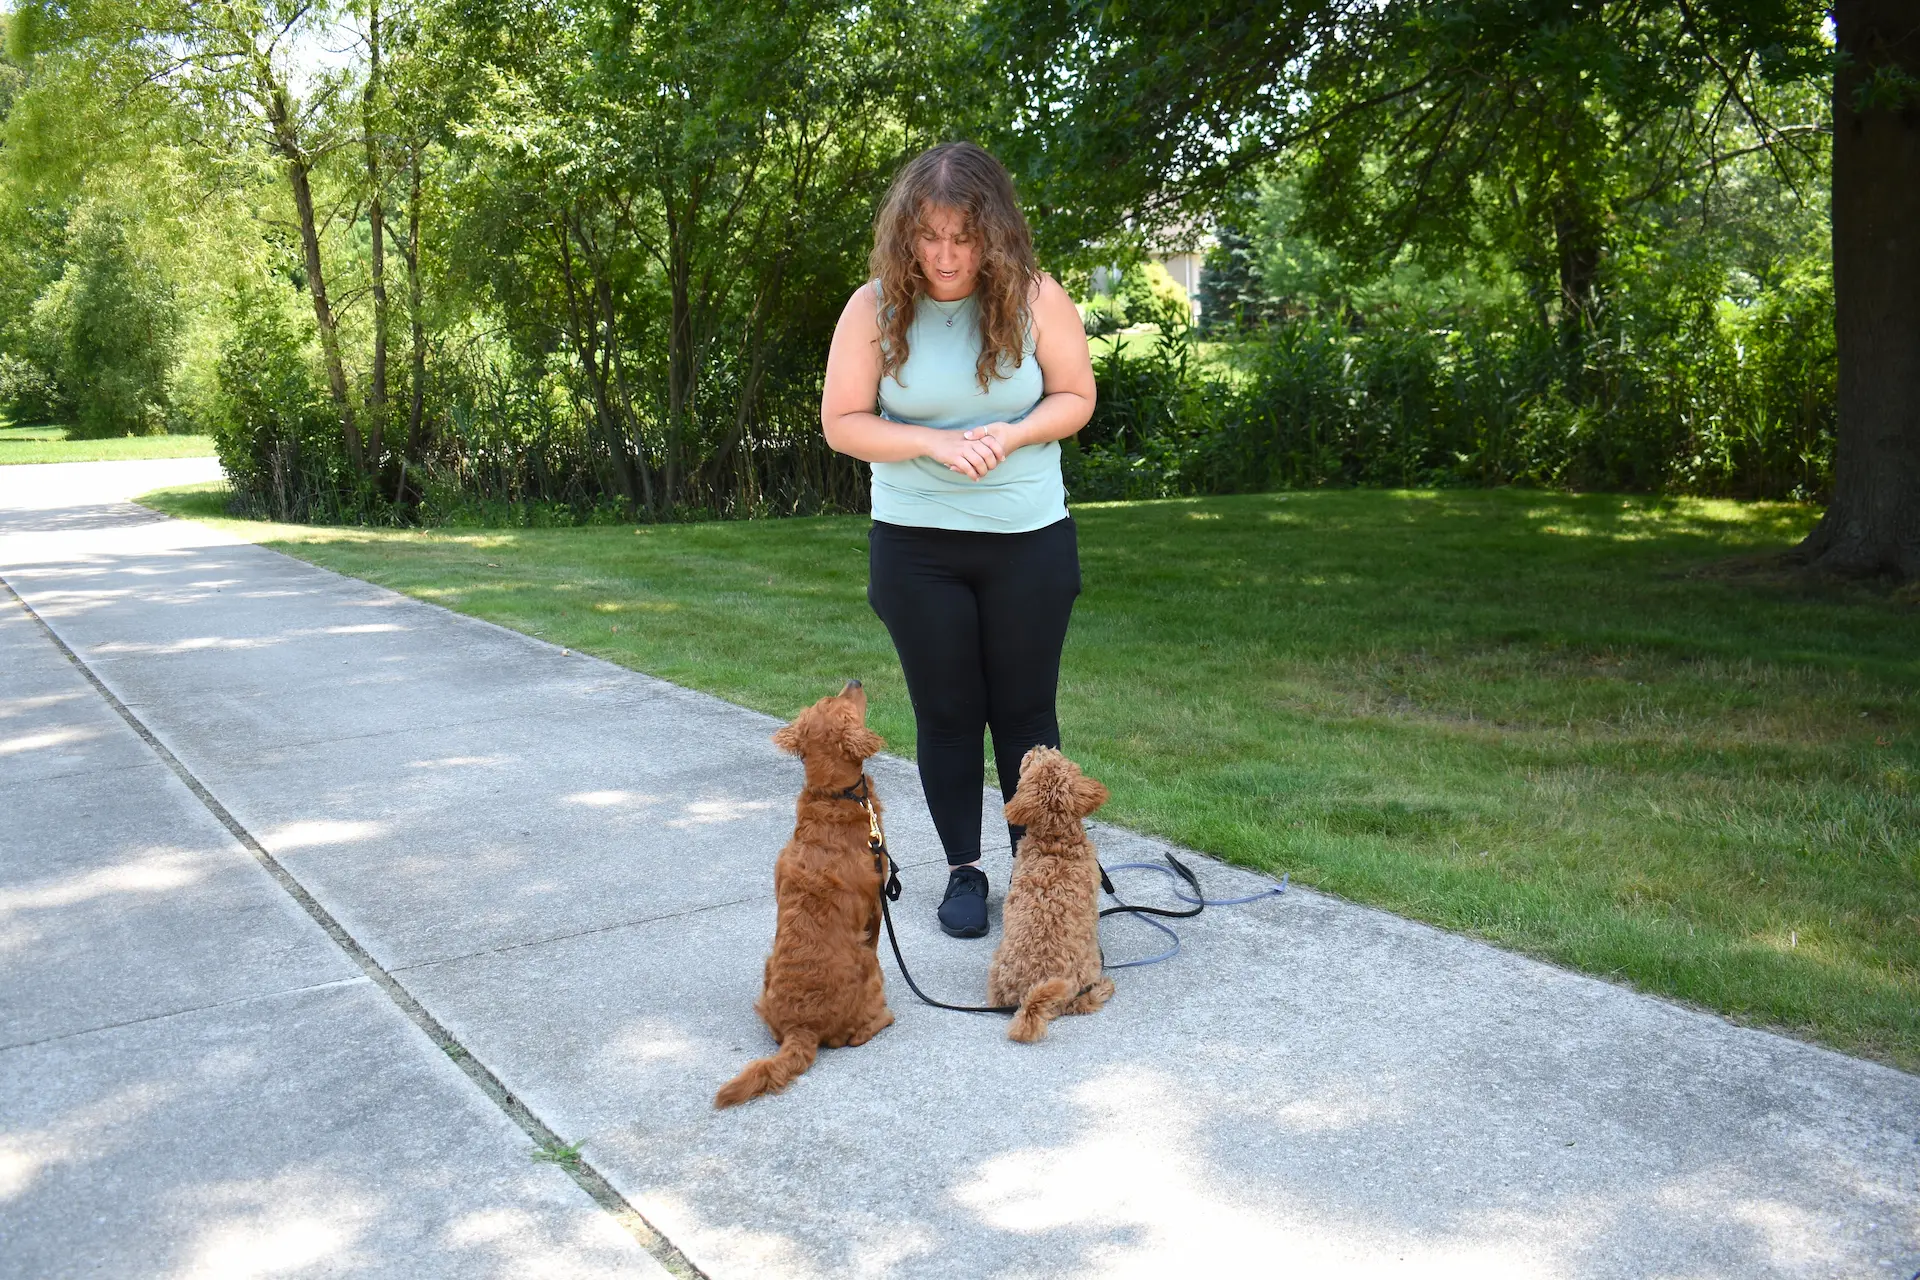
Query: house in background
(1184,266)
(1181,254)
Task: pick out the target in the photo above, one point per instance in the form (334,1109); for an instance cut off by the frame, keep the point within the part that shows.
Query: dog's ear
(1024,809)
(863,742)
(1041,772)
(1088,795)
(790,739)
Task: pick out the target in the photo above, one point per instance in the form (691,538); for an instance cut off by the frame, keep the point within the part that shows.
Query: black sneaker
(963,912)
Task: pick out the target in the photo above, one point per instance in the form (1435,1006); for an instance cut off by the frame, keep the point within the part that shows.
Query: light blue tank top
(936,387)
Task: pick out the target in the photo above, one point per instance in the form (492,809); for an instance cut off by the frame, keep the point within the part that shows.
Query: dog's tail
(771,1075)
(1043,1004)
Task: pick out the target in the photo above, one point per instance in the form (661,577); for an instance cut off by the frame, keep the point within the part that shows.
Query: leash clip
(883,863)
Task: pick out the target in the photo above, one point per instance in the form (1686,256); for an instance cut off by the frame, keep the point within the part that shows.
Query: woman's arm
(851,397)
(1066,371)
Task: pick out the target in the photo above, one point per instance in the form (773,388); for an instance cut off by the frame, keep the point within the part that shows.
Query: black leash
(1127,909)
(890,892)
(889,871)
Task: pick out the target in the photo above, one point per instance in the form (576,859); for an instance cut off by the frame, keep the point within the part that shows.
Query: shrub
(113,323)
(28,391)
(274,433)
(1727,400)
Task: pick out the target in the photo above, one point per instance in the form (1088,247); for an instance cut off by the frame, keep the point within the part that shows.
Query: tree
(662,184)
(1532,132)
(1525,126)
(1126,118)
(625,229)
(1872,525)
(425,89)
(235,59)
(1232,294)
(377,231)
(113,322)
(1509,125)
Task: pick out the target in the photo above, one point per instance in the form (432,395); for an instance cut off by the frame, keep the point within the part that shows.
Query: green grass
(1522,716)
(554,1151)
(1136,344)
(1212,357)
(50,444)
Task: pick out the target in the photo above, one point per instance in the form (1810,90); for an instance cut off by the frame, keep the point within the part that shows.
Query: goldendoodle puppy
(823,984)
(1049,957)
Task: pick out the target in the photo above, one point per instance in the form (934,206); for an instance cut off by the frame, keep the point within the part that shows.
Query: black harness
(889,872)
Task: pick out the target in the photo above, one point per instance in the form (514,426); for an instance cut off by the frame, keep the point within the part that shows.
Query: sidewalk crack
(179,1013)
(503,948)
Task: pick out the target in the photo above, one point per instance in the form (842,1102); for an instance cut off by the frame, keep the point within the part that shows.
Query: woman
(956,371)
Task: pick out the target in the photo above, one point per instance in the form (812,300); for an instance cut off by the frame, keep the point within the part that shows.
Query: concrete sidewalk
(194,1078)
(567,866)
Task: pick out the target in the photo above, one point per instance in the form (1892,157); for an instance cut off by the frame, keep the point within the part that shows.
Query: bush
(273,431)
(112,322)
(1143,294)
(1726,400)
(29,392)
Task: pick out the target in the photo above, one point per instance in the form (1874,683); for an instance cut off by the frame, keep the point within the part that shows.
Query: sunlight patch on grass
(39,445)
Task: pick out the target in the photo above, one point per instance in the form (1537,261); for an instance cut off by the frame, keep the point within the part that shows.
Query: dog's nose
(851,685)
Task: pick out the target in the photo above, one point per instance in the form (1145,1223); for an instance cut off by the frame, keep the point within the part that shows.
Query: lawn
(1528,717)
(1138,343)
(50,444)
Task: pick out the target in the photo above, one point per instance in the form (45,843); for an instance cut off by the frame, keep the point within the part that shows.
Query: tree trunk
(599,366)
(1577,240)
(756,368)
(377,224)
(680,370)
(416,409)
(1872,525)
(603,290)
(287,143)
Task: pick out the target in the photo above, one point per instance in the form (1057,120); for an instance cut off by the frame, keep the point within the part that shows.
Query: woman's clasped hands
(976,451)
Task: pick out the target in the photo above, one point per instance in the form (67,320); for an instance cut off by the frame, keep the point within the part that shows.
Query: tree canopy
(1557,137)
(406,256)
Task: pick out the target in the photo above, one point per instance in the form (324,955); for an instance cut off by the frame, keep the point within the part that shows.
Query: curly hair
(966,179)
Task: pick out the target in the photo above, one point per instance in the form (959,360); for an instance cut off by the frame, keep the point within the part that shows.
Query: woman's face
(949,254)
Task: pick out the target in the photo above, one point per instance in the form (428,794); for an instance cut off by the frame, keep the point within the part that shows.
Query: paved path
(565,866)
(195,1079)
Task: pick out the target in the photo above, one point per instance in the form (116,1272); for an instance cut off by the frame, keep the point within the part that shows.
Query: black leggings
(979,620)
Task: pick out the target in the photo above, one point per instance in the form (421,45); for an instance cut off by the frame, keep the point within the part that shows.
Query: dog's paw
(873,1028)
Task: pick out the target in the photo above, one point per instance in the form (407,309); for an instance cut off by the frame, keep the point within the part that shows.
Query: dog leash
(1177,872)
(889,871)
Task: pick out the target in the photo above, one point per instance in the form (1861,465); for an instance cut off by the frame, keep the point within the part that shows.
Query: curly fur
(823,984)
(1049,957)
